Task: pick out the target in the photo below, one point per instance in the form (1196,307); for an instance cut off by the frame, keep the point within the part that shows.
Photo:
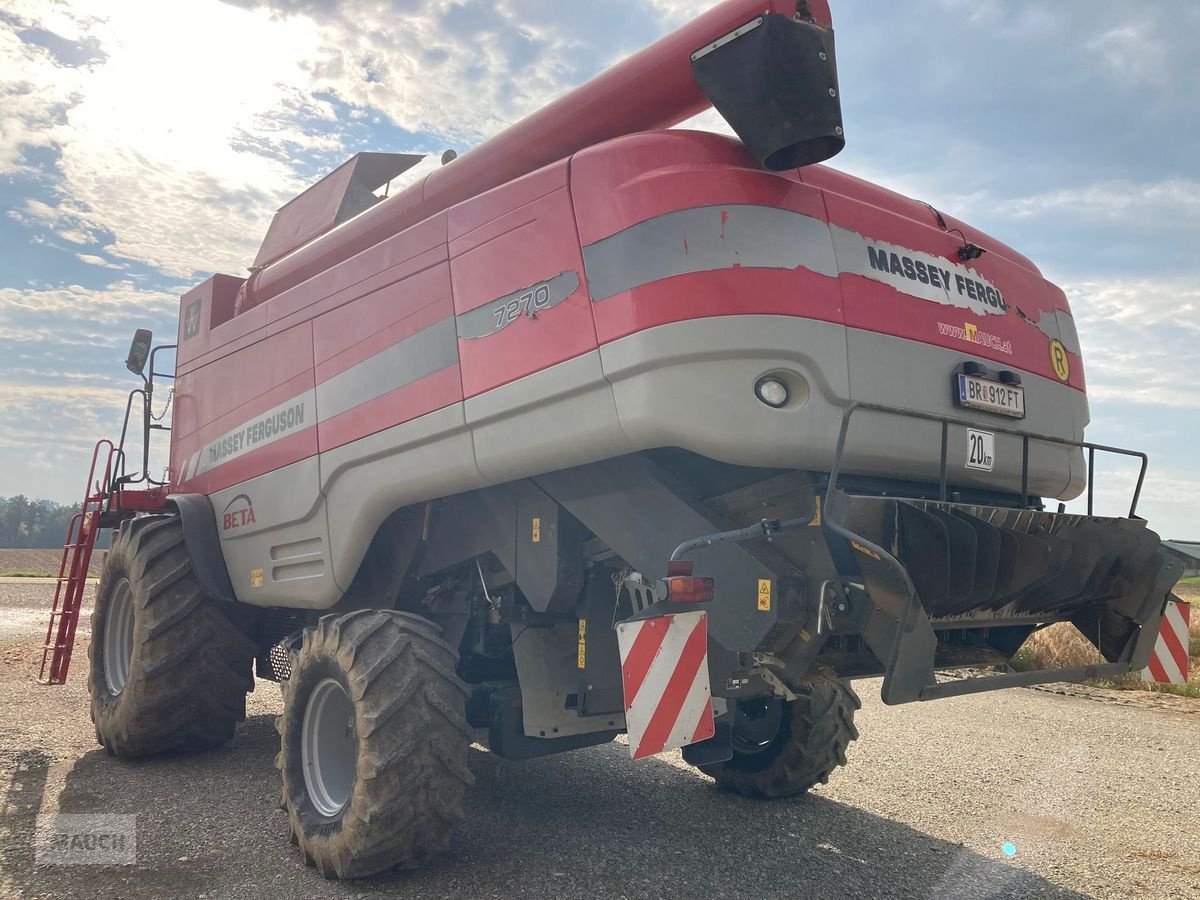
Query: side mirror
(139,351)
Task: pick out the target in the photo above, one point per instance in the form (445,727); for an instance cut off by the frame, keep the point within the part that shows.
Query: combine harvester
(601,429)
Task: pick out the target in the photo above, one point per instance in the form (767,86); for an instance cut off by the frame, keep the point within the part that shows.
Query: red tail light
(689,589)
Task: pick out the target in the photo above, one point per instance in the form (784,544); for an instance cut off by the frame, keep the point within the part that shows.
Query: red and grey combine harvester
(604,428)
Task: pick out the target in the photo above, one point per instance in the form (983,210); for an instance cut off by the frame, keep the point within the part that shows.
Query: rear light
(689,589)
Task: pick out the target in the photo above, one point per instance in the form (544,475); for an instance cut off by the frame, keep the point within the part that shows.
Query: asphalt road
(1098,795)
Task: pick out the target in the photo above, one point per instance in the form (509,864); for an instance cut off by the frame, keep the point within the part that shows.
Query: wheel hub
(756,723)
(329,747)
(118,637)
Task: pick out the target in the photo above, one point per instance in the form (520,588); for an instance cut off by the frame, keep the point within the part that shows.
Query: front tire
(807,740)
(373,744)
(169,670)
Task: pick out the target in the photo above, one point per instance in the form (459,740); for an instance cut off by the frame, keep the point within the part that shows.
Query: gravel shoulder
(1098,798)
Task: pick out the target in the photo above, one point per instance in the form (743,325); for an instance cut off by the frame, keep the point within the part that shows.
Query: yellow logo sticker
(256,578)
(537,531)
(972,330)
(764,594)
(1058,359)
(816,522)
(582,663)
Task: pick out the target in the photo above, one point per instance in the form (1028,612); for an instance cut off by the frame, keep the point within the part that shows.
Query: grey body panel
(366,481)
(419,356)
(558,417)
(719,237)
(499,314)
(896,372)
(687,384)
(282,557)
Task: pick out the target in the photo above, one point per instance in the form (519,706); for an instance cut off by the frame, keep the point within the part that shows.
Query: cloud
(183,164)
(96,261)
(464,69)
(1137,336)
(85,413)
(1132,52)
(33,97)
(78,316)
(1169,498)
(1109,200)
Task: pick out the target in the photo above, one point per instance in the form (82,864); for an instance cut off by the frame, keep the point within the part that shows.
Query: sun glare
(181,83)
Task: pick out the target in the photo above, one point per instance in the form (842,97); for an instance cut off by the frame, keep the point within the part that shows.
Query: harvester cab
(607,428)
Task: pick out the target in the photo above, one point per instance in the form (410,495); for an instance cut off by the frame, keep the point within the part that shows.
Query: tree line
(40,524)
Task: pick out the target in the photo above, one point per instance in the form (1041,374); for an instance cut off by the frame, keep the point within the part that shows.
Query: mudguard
(203,545)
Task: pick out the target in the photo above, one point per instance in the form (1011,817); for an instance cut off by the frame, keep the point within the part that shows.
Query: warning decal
(664,670)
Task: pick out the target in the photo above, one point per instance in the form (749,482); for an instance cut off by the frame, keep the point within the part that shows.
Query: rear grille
(780,635)
(277,629)
(275,663)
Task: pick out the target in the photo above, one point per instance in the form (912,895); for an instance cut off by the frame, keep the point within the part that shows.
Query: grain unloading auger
(604,428)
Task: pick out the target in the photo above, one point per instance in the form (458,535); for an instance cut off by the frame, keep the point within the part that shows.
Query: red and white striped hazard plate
(664,666)
(1169,664)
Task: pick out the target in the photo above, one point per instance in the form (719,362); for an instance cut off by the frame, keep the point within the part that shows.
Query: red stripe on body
(641,656)
(874,306)
(372,324)
(402,405)
(642,176)
(282,452)
(673,698)
(189,443)
(723,292)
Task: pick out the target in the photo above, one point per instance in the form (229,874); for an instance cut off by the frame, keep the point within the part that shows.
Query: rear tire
(169,670)
(810,742)
(373,744)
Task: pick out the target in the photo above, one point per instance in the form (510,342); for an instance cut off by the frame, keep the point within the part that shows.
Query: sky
(145,145)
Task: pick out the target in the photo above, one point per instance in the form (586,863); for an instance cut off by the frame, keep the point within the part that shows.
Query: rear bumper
(905,587)
(690,384)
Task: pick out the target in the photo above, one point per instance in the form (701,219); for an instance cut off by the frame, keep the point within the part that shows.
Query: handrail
(146,392)
(1026,437)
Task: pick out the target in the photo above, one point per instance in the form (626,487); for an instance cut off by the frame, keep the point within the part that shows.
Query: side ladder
(73,569)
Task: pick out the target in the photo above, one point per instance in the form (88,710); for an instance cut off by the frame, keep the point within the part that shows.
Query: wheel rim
(118,637)
(329,747)
(756,724)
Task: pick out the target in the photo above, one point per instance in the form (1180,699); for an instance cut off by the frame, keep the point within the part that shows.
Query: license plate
(991,396)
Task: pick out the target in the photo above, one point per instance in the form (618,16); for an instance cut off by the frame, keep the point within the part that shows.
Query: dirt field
(1098,793)
(41,562)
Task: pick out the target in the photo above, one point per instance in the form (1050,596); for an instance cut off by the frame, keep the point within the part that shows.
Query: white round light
(772,392)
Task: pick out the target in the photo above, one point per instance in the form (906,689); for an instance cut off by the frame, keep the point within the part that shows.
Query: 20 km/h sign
(981,450)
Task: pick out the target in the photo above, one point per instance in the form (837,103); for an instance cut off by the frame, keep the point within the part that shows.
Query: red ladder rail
(73,571)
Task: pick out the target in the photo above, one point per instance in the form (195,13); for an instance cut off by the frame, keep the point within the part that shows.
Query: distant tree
(40,524)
